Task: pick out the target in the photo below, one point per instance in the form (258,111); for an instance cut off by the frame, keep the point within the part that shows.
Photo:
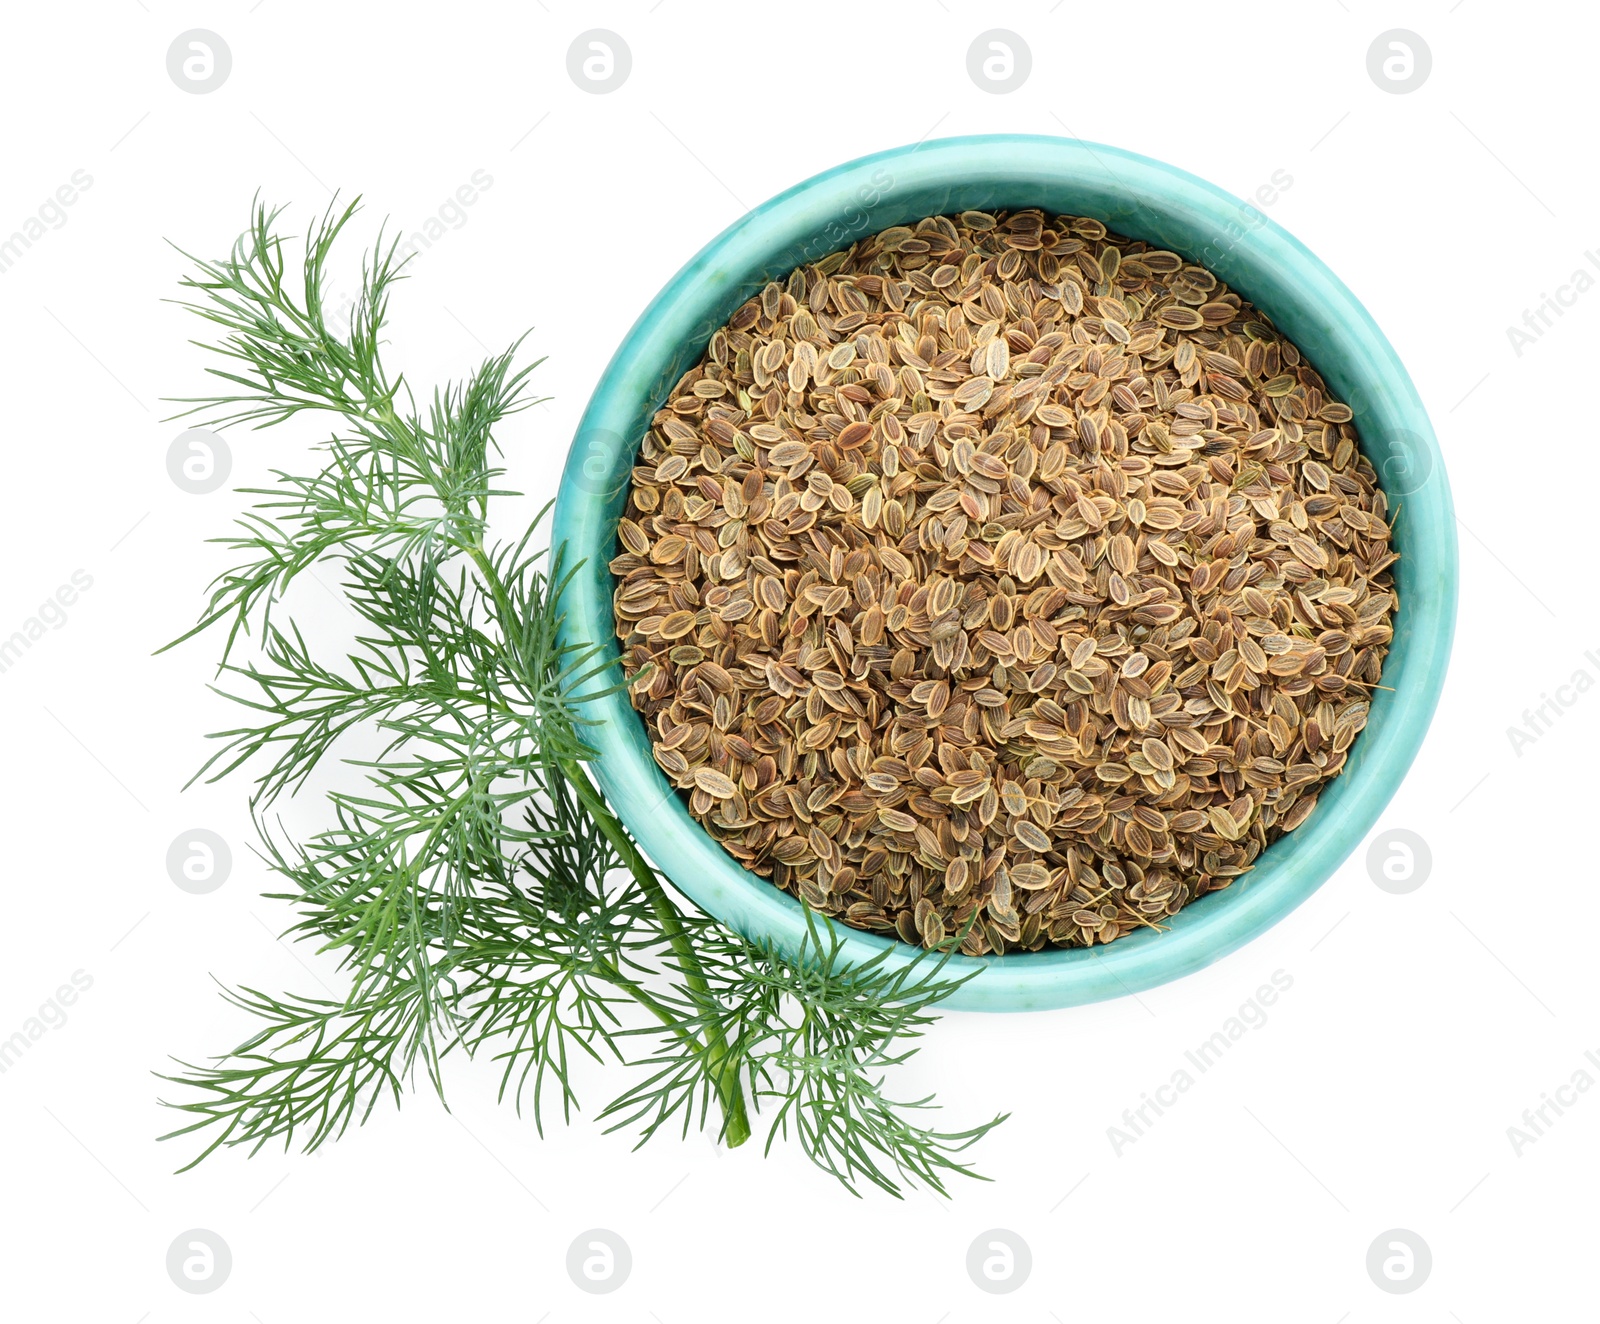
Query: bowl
(1134,196)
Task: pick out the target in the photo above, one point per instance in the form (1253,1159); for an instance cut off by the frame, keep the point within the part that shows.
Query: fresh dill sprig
(478,892)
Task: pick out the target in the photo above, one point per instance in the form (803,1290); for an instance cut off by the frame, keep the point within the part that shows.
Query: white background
(1418,1027)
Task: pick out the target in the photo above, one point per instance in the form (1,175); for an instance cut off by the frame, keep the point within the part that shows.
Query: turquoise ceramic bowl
(1137,197)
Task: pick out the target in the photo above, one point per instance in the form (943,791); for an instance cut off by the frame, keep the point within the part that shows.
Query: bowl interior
(1142,199)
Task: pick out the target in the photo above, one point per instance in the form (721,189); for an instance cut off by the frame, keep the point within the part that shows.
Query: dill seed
(1005,578)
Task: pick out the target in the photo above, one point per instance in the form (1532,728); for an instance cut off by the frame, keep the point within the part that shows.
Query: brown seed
(1157,754)
(956,876)
(786,453)
(715,784)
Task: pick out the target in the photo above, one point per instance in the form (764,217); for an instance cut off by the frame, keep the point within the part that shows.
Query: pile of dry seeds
(1002,577)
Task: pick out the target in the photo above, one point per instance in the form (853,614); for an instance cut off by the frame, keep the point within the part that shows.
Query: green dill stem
(736,1121)
(723,1073)
(726,1077)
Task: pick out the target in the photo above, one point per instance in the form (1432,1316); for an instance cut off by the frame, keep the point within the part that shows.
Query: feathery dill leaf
(477,891)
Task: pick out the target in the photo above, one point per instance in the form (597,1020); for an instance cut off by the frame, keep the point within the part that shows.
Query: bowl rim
(1270,268)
